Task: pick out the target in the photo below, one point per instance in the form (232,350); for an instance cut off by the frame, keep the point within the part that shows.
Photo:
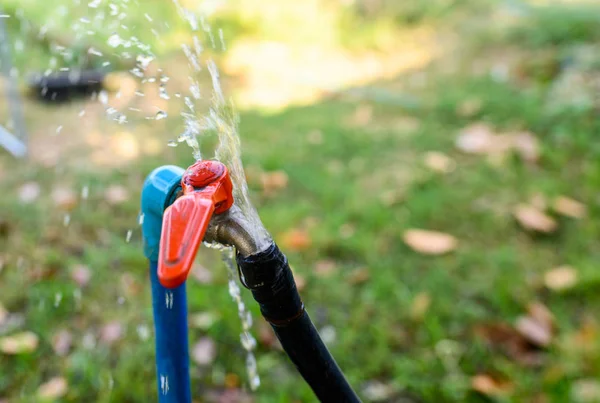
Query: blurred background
(431,169)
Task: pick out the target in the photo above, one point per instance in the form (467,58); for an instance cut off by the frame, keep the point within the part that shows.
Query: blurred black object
(64,86)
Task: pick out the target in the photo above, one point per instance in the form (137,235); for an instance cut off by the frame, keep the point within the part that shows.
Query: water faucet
(183,208)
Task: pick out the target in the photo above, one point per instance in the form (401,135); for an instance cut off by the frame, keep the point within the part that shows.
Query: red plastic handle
(207,190)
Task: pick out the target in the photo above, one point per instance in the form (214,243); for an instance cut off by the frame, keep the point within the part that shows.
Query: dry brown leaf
(296,240)
(19,343)
(511,342)
(111,332)
(533,219)
(469,107)
(363,114)
(561,278)
(536,332)
(568,207)
(55,388)
(64,198)
(231,381)
(490,386)
(439,162)
(273,181)
(325,268)
(475,139)
(420,305)
(61,342)
(527,146)
(29,192)
(116,194)
(81,274)
(359,276)
(430,242)
(204,351)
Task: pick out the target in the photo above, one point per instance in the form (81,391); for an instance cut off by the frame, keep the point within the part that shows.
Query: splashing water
(220,119)
(247,340)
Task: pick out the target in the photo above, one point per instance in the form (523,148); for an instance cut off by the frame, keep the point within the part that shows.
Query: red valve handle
(207,190)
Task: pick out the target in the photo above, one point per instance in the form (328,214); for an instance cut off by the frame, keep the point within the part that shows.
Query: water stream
(221,117)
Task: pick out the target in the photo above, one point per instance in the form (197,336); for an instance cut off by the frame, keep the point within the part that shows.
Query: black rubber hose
(268,275)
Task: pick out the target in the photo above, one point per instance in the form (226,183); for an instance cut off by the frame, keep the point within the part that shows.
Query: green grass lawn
(421,327)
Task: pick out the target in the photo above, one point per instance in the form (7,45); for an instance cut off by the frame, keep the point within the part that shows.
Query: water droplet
(59,129)
(141,219)
(140,94)
(57,299)
(160,115)
(103,97)
(172,143)
(94,4)
(95,52)
(114,40)
(128,236)
(85,192)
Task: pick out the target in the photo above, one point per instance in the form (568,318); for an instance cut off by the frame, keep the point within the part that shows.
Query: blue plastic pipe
(171,331)
(169,305)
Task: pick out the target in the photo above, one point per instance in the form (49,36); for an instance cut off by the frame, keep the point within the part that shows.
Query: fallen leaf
(64,198)
(359,276)
(29,192)
(116,194)
(296,240)
(585,391)
(204,351)
(510,341)
(420,305)
(61,342)
(490,386)
(376,391)
(231,381)
(439,162)
(363,114)
(475,139)
(535,331)
(568,207)
(533,219)
(81,274)
(469,107)
(19,343)
(325,268)
(53,389)
(273,181)
(527,146)
(429,242)
(111,332)
(561,278)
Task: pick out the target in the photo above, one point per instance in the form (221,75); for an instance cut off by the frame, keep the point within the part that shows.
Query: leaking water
(220,119)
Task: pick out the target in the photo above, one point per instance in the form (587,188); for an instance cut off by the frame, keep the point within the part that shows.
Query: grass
(338,194)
